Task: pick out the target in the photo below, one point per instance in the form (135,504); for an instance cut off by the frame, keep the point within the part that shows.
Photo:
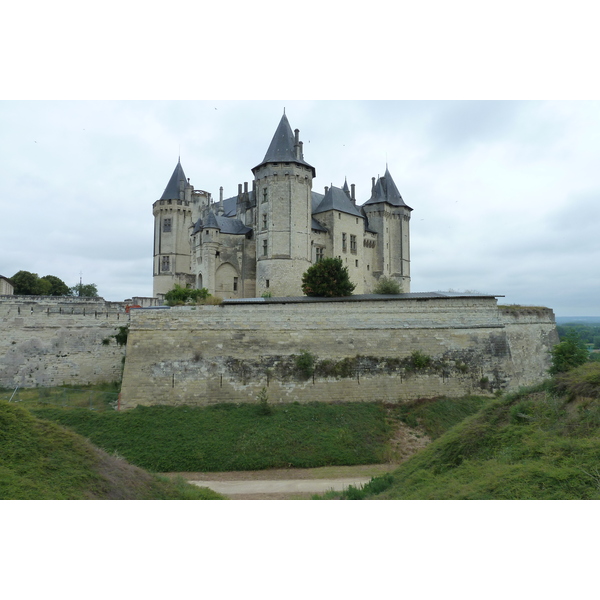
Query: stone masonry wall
(364,350)
(46,341)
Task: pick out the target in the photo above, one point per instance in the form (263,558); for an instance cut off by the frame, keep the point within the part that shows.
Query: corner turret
(172,221)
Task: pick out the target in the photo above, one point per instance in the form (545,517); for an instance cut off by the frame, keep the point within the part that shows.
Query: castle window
(265,247)
(165,263)
(235,283)
(344,242)
(264,195)
(267,283)
(356,262)
(353,244)
(320,252)
(166,225)
(264,221)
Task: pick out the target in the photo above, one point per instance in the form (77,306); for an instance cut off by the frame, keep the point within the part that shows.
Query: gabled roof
(282,147)
(385,190)
(172,190)
(337,199)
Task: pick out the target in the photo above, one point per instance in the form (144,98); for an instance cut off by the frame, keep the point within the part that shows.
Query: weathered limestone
(46,341)
(228,353)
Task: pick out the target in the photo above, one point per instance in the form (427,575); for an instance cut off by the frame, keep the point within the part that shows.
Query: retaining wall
(228,353)
(49,341)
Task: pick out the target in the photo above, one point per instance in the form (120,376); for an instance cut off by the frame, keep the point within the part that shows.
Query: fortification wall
(46,341)
(363,350)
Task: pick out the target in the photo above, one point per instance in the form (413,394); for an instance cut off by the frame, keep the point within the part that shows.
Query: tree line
(588,334)
(31,284)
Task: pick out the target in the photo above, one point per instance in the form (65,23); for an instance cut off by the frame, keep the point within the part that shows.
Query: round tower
(283,184)
(172,222)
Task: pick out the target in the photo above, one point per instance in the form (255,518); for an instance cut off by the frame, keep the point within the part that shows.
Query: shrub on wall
(180,295)
(327,278)
(386,285)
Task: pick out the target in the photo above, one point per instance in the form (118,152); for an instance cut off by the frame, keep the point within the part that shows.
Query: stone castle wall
(48,341)
(363,350)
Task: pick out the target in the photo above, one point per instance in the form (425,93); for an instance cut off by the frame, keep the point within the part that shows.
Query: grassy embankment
(228,437)
(541,443)
(41,460)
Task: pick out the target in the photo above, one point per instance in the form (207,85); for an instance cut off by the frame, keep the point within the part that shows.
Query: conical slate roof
(282,147)
(385,190)
(172,190)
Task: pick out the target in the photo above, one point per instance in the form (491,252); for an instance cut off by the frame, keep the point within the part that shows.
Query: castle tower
(388,214)
(282,186)
(172,222)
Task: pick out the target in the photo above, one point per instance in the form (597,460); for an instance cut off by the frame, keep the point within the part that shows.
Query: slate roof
(282,147)
(385,190)
(172,190)
(222,223)
(317,226)
(337,199)
(358,298)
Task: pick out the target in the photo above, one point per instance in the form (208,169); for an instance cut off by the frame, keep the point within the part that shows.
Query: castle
(260,242)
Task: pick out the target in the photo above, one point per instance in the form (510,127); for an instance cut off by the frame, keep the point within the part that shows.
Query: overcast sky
(506,195)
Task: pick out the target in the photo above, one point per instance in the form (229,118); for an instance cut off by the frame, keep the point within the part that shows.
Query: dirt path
(284,484)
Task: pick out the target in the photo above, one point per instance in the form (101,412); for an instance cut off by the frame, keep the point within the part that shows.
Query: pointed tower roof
(345,186)
(211,221)
(172,190)
(385,190)
(282,147)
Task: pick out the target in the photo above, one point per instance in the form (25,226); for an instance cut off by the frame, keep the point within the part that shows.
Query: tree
(57,286)
(30,284)
(87,290)
(26,283)
(570,353)
(328,278)
(387,285)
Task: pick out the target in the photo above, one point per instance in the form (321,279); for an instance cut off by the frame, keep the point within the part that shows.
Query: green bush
(568,354)
(327,278)
(420,360)
(386,285)
(305,364)
(180,295)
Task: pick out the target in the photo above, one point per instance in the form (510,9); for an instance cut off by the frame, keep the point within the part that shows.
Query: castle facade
(261,241)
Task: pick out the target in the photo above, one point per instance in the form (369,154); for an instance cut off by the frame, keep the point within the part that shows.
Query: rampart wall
(49,341)
(363,350)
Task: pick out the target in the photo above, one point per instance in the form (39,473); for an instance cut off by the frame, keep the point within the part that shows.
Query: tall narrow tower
(283,184)
(172,222)
(390,217)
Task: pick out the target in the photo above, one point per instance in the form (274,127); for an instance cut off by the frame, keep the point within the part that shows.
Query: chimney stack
(296,143)
(352,193)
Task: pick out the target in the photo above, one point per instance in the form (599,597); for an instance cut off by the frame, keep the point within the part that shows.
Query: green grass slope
(537,444)
(229,437)
(41,460)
